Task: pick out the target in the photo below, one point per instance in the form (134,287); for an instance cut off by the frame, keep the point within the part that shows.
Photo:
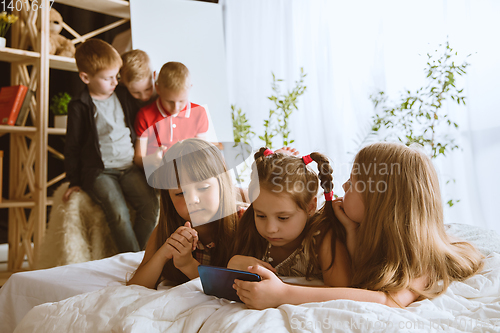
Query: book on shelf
(25,109)
(11,100)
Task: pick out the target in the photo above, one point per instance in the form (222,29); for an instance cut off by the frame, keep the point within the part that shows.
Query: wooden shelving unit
(117,8)
(30,63)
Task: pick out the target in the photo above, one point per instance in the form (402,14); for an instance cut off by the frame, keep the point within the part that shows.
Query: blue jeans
(112,189)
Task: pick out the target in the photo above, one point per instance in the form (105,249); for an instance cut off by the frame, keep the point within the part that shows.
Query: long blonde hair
(197,160)
(274,173)
(402,235)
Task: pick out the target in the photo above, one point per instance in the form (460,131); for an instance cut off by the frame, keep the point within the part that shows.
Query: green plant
(419,116)
(241,128)
(276,124)
(59,104)
(284,104)
(242,134)
(6,20)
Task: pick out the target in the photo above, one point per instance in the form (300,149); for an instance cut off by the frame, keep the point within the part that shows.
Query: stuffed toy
(59,45)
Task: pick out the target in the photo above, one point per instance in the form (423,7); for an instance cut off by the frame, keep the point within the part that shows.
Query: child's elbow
(400,300)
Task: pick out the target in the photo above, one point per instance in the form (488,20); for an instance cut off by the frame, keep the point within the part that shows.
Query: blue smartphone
(218,281)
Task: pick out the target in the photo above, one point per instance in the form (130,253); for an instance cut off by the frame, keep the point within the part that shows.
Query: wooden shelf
(117,8)
(17,129)
(63,63)
(6,203)
(29,57)
(14,55)
(28,167)
(30,129)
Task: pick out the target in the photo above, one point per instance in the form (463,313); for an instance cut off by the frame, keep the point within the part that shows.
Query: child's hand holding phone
(268,293)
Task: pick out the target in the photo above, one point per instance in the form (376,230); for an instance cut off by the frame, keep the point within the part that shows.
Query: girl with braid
(393,215)
(282,231)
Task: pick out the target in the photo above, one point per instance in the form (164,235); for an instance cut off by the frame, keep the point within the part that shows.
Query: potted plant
(6,20)
(59,107)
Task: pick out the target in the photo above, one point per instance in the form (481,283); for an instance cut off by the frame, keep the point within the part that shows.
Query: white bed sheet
(469,306)
(25,290)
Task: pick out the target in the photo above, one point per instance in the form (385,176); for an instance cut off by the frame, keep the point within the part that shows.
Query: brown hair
(174,76)
(197,160)
(402,235)
(95,55)
(136,66)
(274,172)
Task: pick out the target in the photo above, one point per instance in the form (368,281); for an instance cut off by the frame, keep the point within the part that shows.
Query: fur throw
(77,232)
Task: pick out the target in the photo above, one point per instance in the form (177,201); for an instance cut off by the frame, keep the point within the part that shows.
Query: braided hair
(273,172)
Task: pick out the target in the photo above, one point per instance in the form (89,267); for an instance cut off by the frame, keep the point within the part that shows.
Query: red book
(11,99)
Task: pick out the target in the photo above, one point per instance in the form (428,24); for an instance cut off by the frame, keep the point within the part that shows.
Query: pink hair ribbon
(329,196)
(268,152)
(307,159)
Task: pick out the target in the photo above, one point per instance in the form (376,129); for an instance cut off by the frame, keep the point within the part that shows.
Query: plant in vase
(6,20)
(420,116)
(59,107)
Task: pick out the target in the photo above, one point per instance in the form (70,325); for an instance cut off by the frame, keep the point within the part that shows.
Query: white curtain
(351,49)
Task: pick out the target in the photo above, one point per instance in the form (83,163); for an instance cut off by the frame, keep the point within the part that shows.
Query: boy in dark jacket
(99,148)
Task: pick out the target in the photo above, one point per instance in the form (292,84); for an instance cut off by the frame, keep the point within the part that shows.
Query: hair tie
(329,196)
(307,159)
(268,152)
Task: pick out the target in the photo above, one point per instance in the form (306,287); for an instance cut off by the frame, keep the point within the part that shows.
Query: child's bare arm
(241,263)
(68,192)
(183,241)
(151,161)
(149,271)
(288,151)
(139,151)
(272,292)
(339,273)
(350,226)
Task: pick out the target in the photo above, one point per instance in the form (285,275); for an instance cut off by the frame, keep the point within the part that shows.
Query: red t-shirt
(191,122)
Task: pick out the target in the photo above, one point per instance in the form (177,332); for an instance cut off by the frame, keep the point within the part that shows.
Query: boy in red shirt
(170,118)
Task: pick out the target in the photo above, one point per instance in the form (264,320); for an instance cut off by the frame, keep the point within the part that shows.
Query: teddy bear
(59,45)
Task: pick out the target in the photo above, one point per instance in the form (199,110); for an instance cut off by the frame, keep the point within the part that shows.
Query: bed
(106,305)
(25,290)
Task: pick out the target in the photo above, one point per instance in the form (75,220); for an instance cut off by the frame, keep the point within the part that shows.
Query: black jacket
(82,155)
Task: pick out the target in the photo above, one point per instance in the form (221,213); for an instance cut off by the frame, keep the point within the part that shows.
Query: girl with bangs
(282,231)
(393,215)
(198,215)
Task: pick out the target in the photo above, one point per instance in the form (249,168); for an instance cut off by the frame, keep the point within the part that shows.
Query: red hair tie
(268,152)
(329,196)
(307,159)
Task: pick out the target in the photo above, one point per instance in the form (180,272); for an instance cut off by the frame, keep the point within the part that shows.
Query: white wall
(349,50)
(190,32)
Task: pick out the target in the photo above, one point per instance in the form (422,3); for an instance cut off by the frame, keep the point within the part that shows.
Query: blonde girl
(281,229)
(196,190)
(393,214)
